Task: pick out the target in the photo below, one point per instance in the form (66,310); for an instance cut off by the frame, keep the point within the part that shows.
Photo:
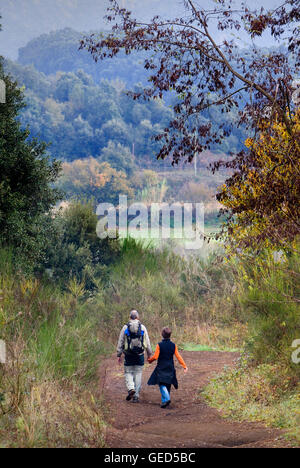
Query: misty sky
(24,20)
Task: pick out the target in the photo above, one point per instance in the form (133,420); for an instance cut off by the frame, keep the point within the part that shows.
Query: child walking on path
(164,374)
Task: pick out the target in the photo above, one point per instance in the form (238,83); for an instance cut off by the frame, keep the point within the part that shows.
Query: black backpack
(134,341)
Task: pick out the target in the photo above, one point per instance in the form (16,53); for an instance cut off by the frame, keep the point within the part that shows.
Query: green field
(177,242)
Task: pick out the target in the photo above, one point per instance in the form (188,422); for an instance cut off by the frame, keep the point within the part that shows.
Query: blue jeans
(165,393)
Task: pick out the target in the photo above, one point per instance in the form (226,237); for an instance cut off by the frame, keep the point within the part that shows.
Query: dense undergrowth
(47,391)
(265,384)
(58,333)
(188,295)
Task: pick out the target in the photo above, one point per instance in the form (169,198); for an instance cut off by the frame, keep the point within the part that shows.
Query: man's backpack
(134,341)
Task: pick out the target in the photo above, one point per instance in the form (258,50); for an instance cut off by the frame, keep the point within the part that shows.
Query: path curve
(189,422)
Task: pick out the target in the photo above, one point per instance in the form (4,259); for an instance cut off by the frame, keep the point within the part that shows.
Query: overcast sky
(24,20)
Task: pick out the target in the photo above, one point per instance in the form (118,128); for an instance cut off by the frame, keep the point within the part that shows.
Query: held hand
(149,357)
(120,360)
(185,370)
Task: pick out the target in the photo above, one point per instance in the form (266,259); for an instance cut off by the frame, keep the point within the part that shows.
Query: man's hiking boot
(135,399)
(130,395)
(165,405)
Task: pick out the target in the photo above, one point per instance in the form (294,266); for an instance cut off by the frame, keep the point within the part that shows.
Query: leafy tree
(26,180)
(74,250)
(93,179)
(118,156)
(116,130)
(29,77)
(263,193)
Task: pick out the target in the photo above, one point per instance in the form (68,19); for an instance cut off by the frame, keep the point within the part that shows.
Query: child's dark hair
(166,332)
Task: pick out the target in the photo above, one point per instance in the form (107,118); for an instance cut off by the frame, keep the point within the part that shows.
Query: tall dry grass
(48,383)
(189,295)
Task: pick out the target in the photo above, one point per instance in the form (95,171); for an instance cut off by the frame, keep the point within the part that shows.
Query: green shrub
(268,293)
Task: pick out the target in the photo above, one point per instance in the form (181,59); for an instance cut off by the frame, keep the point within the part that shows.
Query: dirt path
(189,422)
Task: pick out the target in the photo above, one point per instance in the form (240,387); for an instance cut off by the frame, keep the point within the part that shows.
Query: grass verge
(265,393)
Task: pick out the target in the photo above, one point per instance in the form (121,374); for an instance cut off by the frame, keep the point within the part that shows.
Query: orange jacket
(178,356)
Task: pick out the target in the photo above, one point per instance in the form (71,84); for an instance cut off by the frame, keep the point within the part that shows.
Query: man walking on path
(133,342)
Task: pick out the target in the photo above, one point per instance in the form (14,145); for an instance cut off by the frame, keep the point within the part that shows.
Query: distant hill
(58,51)
(82,108)
(24,20)
(82,118)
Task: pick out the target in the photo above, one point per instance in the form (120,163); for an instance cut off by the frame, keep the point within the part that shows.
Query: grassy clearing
(176,241)
(199,347)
